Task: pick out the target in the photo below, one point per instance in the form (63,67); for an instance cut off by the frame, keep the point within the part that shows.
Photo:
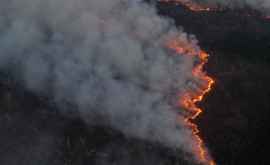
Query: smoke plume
(107,59)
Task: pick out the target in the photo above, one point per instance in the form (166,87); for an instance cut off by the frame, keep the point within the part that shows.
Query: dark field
(234,125)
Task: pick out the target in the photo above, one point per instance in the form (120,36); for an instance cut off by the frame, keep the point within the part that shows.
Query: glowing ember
(189,99)
(191,5)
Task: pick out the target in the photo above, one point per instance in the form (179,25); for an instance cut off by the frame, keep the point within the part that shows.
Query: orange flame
(189,99)
(191,5)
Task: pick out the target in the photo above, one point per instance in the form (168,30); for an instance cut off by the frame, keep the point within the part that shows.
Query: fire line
(189,99)
(191,5)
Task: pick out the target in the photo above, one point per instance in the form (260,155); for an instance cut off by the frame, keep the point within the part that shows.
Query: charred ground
(234,124)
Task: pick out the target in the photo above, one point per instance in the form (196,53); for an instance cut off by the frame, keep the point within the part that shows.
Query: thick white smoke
(107,58)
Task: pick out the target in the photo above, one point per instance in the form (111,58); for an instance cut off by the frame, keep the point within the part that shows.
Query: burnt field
(234,124)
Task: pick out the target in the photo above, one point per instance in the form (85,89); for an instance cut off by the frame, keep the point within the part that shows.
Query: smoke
(107,59)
